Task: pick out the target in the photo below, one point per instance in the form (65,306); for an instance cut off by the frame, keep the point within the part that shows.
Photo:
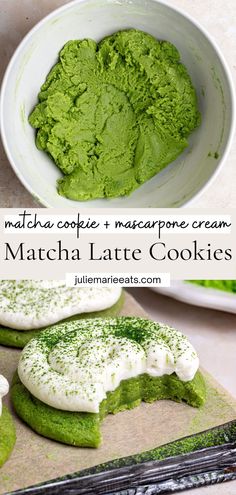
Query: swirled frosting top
(30,304)
(73,365)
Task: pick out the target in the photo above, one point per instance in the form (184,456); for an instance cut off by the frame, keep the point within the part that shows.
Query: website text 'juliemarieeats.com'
(122,279)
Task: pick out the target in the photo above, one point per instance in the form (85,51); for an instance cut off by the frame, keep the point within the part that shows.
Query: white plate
(181,181)
(199,296)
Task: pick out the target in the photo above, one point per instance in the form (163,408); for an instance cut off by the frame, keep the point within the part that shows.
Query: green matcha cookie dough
(113,114)
(225,285)
(83,429)
(19,338)
(7,435)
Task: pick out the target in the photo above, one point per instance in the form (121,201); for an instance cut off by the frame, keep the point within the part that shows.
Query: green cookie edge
(7,435)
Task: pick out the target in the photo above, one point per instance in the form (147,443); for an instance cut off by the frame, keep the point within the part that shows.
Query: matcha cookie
(72,375)
(7,428)
(28,307)
(113,114)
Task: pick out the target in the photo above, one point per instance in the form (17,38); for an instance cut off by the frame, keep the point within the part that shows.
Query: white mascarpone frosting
(4,389)
(74,365)
(26,304)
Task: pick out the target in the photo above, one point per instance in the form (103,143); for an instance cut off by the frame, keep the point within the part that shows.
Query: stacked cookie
(73,374)
(79,363)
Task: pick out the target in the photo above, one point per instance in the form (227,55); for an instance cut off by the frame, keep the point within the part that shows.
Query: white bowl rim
(180,11)
(210,298)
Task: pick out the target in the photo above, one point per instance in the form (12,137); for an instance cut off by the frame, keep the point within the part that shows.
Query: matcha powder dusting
(113,114)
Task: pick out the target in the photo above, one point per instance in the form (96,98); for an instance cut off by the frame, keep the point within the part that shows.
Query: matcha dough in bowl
(28,306)
(74,374)
(115,113)
(7,427)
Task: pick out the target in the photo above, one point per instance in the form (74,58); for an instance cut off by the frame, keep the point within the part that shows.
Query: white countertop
(213,334)
(217,16)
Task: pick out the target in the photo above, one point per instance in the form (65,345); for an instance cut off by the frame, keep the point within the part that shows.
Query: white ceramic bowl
(206,297)
(181,181)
